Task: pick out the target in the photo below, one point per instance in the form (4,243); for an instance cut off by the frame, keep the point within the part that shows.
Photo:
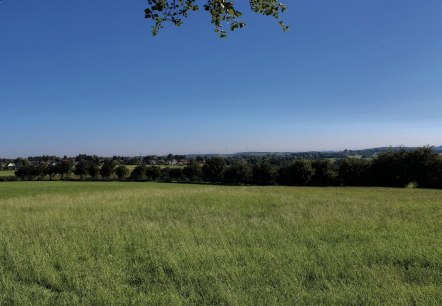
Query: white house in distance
(10,166)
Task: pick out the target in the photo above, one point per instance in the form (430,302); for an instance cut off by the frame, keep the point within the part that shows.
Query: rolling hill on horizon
(364,153)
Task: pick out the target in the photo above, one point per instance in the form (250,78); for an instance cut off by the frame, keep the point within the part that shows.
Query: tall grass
(77,243)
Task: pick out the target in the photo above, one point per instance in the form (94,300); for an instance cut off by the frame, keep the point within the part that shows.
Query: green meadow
(7,172)
(112,243)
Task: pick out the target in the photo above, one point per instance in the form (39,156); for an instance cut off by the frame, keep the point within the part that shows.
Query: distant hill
(364,153)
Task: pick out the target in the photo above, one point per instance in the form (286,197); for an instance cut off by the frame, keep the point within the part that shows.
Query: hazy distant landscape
(364,153)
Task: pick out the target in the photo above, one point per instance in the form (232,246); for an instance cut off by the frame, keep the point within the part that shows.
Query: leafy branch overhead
(224,13)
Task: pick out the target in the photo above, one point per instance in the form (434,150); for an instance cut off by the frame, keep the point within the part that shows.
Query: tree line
(421,167)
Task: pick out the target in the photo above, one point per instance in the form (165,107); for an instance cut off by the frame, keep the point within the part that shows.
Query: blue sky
(84,77)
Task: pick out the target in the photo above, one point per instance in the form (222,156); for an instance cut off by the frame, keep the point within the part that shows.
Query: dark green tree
(263,173)
(165,175)
(237,173)
(153,173)
(390,168)
(26,172)
(355,172)
(138,173)
(224,13)
(213,169)
(176,174)
(94,170)
(19,161)
(51,170)
(325,173)
(82,169)
(41,169)
(423,166)
(65,168)
(436,179)
(122,172)
(107,169)
(297,173)
(192,171)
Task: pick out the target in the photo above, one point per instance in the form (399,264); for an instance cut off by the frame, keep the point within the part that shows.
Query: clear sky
(87,77)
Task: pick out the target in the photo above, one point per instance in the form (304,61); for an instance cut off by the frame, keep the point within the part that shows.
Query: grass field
(7,172)
(98,243)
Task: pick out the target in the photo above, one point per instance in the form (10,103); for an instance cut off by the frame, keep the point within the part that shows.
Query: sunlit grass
(7,172)
(150,243)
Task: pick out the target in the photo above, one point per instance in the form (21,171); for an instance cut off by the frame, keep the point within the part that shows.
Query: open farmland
(116,243)
(7,172)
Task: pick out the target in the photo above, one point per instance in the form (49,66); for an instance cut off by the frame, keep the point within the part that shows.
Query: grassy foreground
(116,243)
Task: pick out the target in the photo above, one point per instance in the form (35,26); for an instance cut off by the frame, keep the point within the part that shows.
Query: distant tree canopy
(224,13)
(393,167)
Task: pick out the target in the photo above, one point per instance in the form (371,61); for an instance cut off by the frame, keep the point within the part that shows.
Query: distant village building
(11,166)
